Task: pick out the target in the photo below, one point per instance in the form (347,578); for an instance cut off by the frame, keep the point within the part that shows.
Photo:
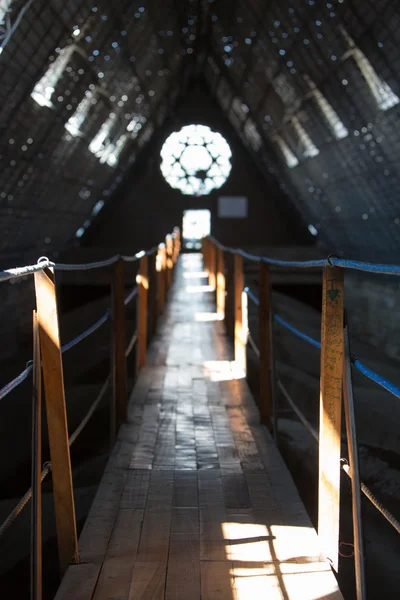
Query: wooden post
(239,333)
(220,283)
(36,502)
(154,282)
(211,264)
(204,246)
(177,244)
(332,350)
(56,418)
(142,309)
(350,418)
(229,296)
(161,286)
(170,264)
(119,373)
(264,324)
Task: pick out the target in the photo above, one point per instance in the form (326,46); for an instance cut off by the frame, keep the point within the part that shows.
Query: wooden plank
(220,283)
(142,310)
(239,334)
(264,323)
(119,373)
(154,542)
(332,352)
(148,581)
(79,582)
(183,578)
(116,573)
(185,521)
(216,581)
(212,264)
(136,488)
(53,378)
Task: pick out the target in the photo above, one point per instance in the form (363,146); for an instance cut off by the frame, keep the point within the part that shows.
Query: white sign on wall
(232,207)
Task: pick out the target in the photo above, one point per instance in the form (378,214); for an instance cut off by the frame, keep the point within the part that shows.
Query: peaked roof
(311,88)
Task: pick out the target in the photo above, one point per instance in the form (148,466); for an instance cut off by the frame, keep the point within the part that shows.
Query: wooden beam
(119,373)
(36,502)
(239,333)
(212,264)
(229,295)
(264,324)
(142,312)
(53,378)
(154,284)
(220,283)
(332,351)
(170,262)
(177,243)
(161,276)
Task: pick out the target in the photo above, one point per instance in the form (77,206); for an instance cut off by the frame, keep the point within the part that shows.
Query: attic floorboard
(196,502)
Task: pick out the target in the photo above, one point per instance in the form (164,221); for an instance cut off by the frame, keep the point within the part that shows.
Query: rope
(86,333)
(387,385)
(374,500)
(22,271)
(297,332)
(22,503)
(131,344)
(47,468)
(253,344)
(346,468)
(131,296)
(298,412)
(90,412)
(87,266)
(252,296)
(324,262)
(15,382)
(22,376)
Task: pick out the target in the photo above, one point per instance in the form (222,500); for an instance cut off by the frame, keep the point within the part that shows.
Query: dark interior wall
(147,207)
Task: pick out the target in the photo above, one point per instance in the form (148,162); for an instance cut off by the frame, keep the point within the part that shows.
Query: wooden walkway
(196,502)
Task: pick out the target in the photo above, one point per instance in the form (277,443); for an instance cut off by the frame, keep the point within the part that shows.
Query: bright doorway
(196,225)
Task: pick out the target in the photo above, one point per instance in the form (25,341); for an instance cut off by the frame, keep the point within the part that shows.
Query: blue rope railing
(297,332)
(331,261)
(372,375)
(11,385)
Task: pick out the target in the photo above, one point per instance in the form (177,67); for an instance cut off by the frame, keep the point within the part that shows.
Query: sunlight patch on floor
(207,316)
(222,370)
(199,289)
(277,562)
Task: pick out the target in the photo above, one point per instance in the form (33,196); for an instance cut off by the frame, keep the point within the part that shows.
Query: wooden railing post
(36,502)
(53,378)
(170,264)
(119,371)
(229,295)
(142,281)
(204,249)
(220,283)
(239,332)
(154,290)
(177,243)
(212,264)
(332,351)
(161,277)
(264,324)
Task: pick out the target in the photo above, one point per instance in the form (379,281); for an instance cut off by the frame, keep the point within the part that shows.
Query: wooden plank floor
(196,502)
